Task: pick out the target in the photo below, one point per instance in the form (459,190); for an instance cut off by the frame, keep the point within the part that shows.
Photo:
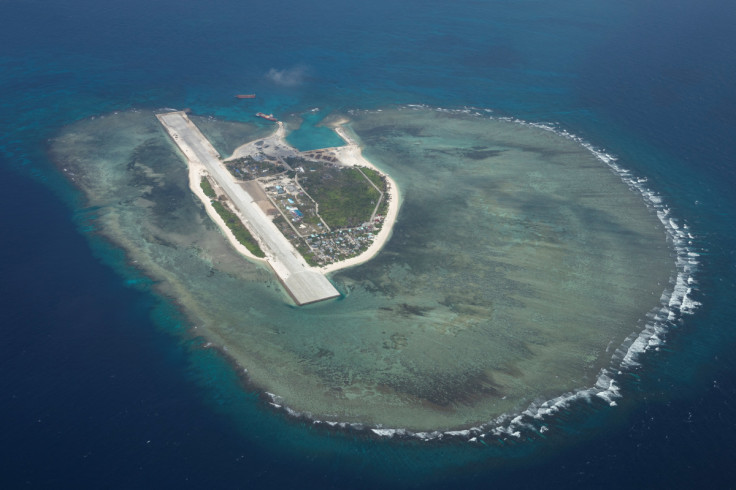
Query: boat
(268,117)
(245,96)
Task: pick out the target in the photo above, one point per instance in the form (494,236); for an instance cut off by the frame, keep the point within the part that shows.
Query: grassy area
(375,177)
(238,229)
(345,197)
(207,188)
(280,221)
(308,255)
(380,182)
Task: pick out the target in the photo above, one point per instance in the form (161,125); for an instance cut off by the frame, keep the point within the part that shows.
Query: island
(266,200)
(524,271)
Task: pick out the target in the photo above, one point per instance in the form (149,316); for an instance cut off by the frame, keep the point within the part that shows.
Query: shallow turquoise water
(311,135)
(519,263)
(649,82)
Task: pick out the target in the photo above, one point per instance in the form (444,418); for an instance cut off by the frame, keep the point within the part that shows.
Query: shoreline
(353,417)
(196,172)
(350,155)
(354,154)
(303,283)
(279,135)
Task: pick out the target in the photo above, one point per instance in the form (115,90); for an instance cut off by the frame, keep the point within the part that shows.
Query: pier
(303,283)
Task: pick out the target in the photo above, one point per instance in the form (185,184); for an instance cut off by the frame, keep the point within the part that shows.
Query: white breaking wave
(675,302)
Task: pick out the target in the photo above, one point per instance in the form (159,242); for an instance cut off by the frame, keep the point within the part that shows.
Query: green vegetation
(307,253)
(249,168)
(375,177)
(279,221)
(238,229)
(310,218)
(345,197)
(207,188)
(295,162)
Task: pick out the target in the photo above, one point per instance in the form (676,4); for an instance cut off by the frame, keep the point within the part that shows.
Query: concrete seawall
(304,283)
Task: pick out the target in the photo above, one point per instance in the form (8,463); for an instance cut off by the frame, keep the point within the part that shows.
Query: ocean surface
(103,383)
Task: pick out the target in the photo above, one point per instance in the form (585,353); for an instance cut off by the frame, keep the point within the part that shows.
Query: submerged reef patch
(520,261)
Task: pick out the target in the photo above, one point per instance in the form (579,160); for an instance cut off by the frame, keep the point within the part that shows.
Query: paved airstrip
(304,284)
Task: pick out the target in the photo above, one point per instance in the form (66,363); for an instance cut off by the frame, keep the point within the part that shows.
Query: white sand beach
(305,284)
(351,154)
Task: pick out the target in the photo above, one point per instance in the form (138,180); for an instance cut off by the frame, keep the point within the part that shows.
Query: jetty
(304,283)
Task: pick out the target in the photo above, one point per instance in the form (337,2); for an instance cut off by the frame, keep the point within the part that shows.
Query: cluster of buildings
(249,168)
(295,205)
(319,244)
(333,246)
(278,176)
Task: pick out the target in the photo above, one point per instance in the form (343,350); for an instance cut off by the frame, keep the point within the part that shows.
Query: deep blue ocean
(100,389)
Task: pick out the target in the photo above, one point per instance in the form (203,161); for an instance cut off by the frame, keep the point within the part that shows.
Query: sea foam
(675,302)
